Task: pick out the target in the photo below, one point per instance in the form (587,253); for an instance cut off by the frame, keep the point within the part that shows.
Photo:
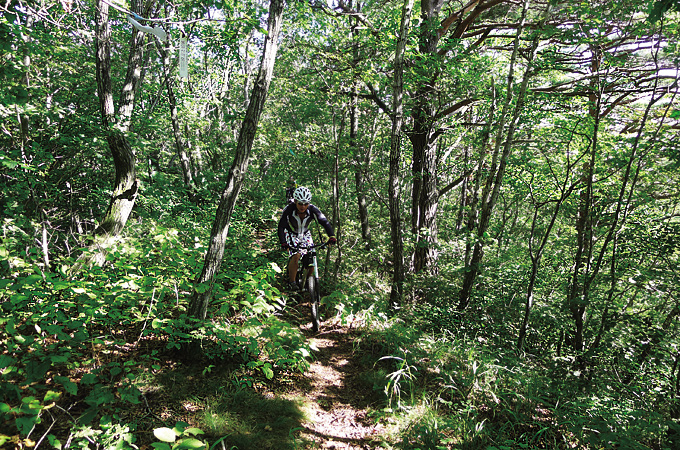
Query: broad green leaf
(26,423)
(6,361)
(51,396)
(161,446)
(31,279)
(89,378)
(201,287)
(268,372)
(193,431)
(165,434)
(190,443)
(69,386)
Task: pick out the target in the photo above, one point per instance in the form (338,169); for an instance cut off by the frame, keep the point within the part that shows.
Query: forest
(502,177)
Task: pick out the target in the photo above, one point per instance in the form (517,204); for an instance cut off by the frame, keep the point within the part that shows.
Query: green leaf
(6,361)
(165,434)
(190,443)
(161,446)
(89,415)
(35,371)
(60,285)
(268,372)
(26,423)
(69,385)
(31,279)
(201,287)
(193,431)
(51,396)
(89,378)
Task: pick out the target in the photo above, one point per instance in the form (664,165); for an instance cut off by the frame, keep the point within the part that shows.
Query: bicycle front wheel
(314,298)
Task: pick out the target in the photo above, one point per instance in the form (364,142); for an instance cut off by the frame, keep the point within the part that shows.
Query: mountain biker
(293,229)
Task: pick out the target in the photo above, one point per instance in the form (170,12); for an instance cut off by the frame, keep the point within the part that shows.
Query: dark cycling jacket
(291,221)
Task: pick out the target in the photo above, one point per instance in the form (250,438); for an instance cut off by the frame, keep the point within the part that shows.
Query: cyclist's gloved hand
(285,246)
(332,240)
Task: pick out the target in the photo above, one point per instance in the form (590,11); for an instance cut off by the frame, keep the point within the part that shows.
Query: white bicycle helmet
(302,195)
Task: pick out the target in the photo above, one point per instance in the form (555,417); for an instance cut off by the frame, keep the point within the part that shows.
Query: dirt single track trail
(337,399)
(337,402)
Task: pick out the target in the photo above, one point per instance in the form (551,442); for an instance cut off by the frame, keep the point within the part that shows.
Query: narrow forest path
(336,397)
(334,389)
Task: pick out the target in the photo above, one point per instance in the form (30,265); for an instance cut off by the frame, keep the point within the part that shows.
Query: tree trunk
(497,171)
(396,292)
(579,289)
(126,185)
(425,198)
(623,205)
(356,150)
(337,224)
(180,141)
(198,307)
(536,260)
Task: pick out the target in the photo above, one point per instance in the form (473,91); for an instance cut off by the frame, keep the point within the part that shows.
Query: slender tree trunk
(337,224)
(198,307)
(623,207)
(536,260)
(473,214)
(180,141)
(356,150)
(395,154)
(499,161)
(579,288)
(126,185)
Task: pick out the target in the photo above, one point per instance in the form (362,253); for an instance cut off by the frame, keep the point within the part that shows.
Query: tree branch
(454,183)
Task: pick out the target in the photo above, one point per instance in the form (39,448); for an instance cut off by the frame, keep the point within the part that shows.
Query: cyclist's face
(301,207)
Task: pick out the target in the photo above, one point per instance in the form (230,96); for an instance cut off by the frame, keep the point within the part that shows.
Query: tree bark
(579,288)
(396,292)
(499,161)
(360,163)
(126,186)
(425,199)
(425,196)
(198,306)
(180,141)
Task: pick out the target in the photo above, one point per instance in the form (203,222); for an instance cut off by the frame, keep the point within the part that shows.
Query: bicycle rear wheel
(314,298)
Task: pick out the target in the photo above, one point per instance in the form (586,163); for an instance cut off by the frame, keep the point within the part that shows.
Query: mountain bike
(307,278)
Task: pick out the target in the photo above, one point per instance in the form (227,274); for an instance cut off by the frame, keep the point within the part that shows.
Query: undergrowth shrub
(78,348)
(460,386)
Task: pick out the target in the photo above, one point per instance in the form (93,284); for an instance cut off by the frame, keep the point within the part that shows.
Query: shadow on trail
(339,393)
(213,402)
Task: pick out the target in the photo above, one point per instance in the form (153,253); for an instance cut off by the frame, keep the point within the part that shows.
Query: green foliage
(180,437)
(81,352)
(75,331)
(661,7)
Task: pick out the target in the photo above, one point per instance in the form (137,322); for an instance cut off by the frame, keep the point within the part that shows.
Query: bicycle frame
(311,253)
(310,278)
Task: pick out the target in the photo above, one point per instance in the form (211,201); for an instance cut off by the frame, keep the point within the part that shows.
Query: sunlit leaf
(165,434)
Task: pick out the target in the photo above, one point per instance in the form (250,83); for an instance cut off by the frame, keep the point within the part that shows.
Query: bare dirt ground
(336,397)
